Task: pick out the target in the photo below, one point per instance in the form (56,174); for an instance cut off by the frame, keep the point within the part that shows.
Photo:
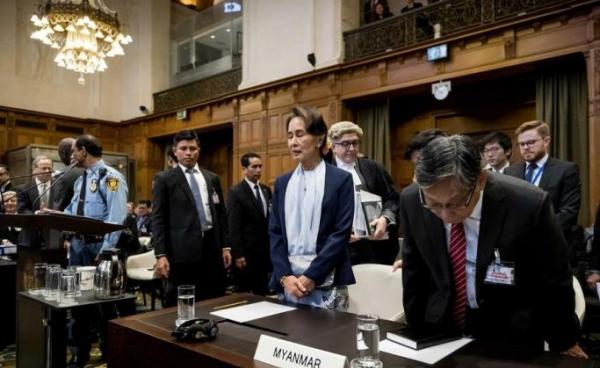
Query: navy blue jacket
(334,231)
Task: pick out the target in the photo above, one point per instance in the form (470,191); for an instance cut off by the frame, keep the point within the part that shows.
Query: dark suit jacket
(176,227)
(595,255)
(561,180)
(10,233)
(28,198)
(334,231)
(516,218)
(248,226)
(29,202)
(63,190)
(146,222)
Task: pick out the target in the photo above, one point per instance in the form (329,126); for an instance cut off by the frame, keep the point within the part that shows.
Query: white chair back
(579,300)
(377,290)
(139,266)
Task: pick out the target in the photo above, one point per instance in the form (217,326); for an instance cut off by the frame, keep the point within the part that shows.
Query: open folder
(372,207)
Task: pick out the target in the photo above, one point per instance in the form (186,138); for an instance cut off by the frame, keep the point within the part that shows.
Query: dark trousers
(373,251)
(87,320)
(208,275)
(255,277)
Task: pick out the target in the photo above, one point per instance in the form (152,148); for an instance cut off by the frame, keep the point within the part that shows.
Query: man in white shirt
(37,195)
(559,178)
(189,224)
(248,205)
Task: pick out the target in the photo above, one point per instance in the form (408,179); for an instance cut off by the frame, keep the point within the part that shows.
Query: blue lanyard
(538,174)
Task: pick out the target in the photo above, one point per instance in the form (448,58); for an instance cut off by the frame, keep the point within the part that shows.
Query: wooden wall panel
(259,129)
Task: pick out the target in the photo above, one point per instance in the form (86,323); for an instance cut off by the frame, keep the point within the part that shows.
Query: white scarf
(303,203)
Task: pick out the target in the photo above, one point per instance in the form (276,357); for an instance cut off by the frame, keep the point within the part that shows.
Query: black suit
(9,233)
(595,255)
(561,180)
(375,179)
(143,225)
(194,257)
(29,198)
(63,190)
(517,219)
(28,202)
(249,235)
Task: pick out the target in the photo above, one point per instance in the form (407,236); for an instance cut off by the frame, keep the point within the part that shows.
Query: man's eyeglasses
(436,207)
(528,143)
(346,144)
(491,150)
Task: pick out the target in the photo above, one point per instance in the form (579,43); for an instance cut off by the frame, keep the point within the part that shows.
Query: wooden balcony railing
(453,16)
(198,91)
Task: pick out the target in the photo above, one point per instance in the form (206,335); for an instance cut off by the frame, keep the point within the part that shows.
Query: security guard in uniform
(99,193)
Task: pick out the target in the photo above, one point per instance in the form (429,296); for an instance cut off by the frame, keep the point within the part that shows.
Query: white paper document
(252,311)
(429,355)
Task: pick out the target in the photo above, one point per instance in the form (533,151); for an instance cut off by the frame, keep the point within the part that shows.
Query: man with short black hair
(248,205)
(99,193)
(189,224)
(483,253)
(496,148)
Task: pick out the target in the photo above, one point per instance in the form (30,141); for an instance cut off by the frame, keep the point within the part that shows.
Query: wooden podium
(53,251)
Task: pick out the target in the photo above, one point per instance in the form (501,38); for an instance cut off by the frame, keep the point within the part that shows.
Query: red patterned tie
(458,252)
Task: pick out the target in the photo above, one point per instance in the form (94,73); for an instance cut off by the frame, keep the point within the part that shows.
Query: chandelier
(84,31)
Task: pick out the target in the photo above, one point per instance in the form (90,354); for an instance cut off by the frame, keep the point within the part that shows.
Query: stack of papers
(246,313)
(429,355)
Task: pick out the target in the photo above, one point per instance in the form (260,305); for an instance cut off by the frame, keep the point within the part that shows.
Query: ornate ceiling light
(84,31)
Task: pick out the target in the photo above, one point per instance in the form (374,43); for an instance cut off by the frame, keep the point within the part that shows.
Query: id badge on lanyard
(500,273)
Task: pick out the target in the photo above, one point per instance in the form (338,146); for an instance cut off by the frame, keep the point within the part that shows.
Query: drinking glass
(367,342)
(52,282)
(67,287)
(186,296)
(77,272)
(39,278)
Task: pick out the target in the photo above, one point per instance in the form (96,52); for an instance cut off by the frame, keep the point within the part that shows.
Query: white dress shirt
(471,225)
(501,171)
(262,196)
(359,223)
(203,190)
(42,187)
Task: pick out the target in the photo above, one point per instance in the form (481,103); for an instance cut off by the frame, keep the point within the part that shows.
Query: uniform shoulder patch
(112,183)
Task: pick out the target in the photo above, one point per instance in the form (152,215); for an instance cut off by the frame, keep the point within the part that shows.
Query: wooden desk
(144,340)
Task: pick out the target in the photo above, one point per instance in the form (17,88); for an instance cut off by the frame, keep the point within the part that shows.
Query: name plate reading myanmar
(286,354)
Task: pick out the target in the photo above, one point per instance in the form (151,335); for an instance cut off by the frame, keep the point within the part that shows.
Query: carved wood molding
(198,91)
(510,48)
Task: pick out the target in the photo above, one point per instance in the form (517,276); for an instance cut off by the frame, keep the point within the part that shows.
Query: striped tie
(458,250)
